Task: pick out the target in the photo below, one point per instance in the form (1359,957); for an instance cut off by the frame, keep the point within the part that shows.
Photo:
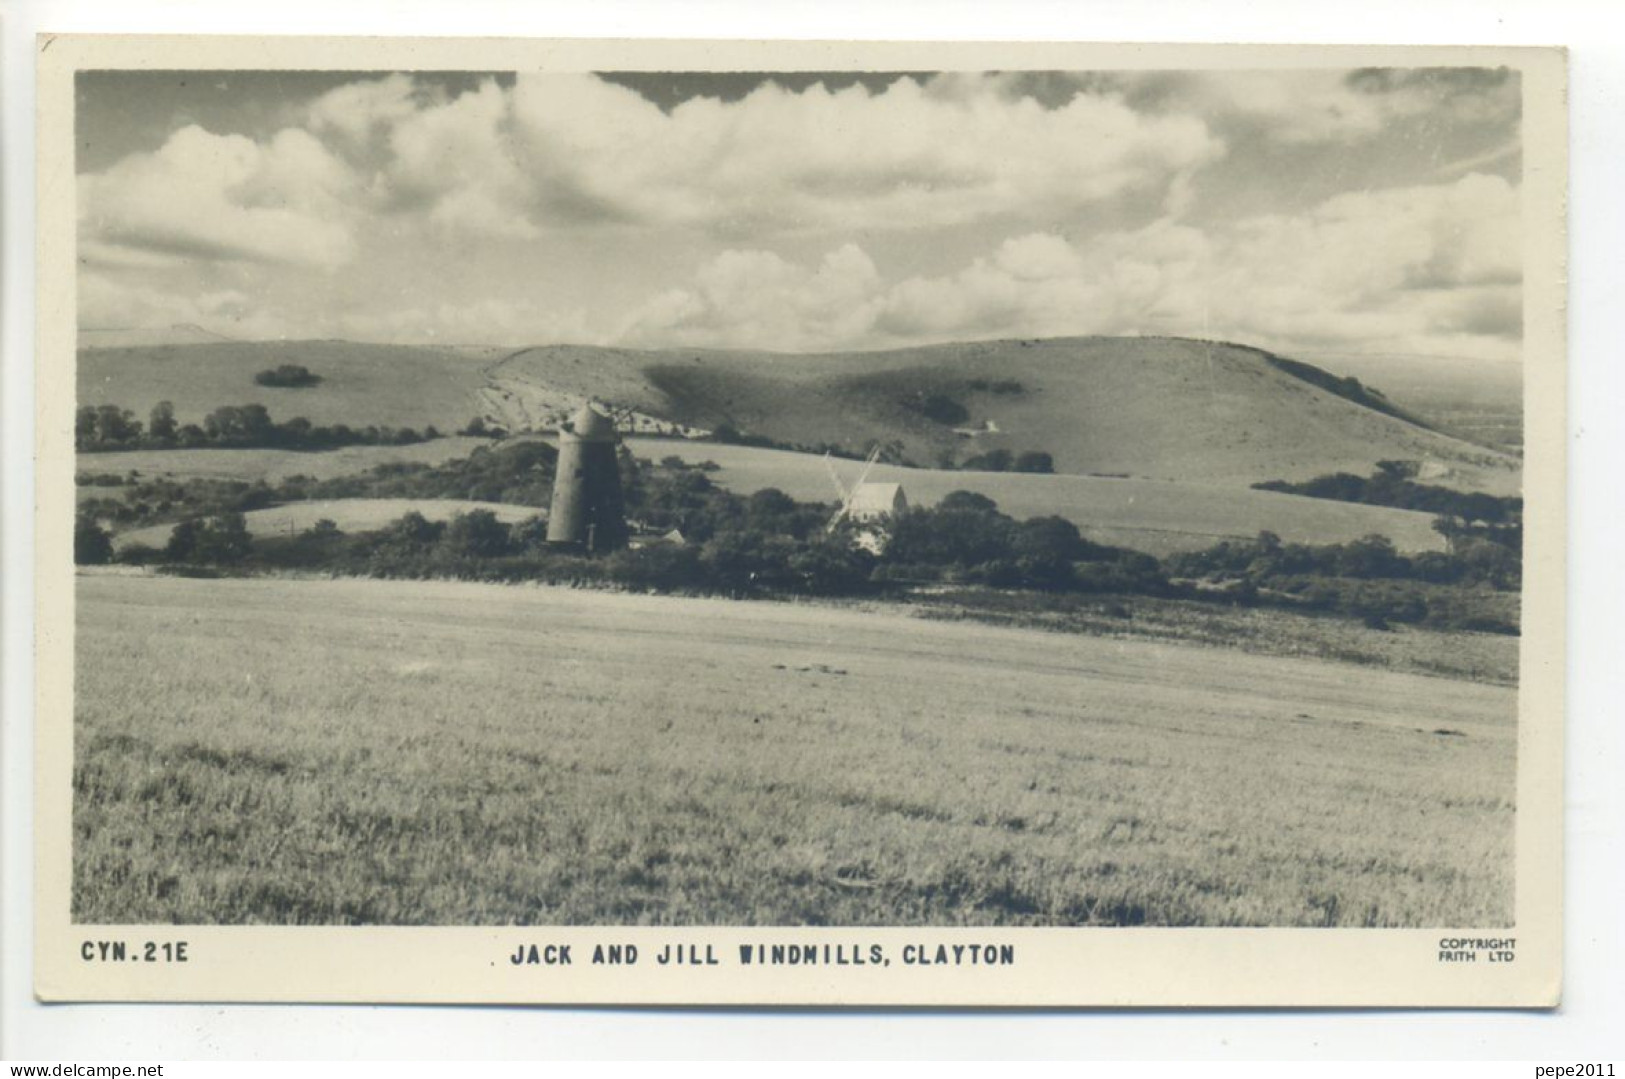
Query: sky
(1312,212)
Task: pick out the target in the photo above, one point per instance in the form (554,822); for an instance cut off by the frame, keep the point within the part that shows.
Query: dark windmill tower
(587,512)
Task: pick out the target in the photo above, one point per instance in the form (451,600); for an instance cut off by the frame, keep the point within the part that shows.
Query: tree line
(769,544)
(110,428)
(1394,484)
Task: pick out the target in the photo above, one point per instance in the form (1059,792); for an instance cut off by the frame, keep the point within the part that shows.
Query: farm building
(872,507)
(874,501)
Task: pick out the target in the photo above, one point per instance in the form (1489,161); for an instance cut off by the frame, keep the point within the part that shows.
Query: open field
(402,752)
(1155,516)
(350,514)
(272,466)
(1268,631)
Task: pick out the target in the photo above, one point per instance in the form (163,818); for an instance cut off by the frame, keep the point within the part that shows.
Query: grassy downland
(1158,408)
(388,385)
(272,465)
(383,752)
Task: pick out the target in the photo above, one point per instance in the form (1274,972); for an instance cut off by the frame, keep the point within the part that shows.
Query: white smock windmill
(872,506)
(844,495)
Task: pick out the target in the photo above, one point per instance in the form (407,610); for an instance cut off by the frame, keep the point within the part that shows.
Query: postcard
(816,523)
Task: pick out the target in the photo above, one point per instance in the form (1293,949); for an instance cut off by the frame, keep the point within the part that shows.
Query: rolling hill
(391,385)
(1148,408)
(184,333)
(1153,408)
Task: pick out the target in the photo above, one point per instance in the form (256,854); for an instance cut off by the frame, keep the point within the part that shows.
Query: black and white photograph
(876,511)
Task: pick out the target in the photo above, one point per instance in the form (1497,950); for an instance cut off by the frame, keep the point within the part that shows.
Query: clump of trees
(215,541)
(1035,461)
(478,428)
(1394,484)
(1366,577)
(964,538)
(1006,387)
(938,408)
(291,376)
(107,428)
(1478,562)
(1347,387)
(92,544)
(769,544)
(890,450)
(519,473)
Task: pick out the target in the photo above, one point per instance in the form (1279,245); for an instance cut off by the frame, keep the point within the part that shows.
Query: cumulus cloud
(911,155)
(396,178)
(106,302)
(569,150)
(223,197)
(1326,105)
(1417,269)
(748,298)
(490,320)
(455,161)
(357,113)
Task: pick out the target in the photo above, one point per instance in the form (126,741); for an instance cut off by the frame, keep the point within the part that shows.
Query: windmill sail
(844,494)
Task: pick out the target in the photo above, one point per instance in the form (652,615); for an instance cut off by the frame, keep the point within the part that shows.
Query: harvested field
(342,752)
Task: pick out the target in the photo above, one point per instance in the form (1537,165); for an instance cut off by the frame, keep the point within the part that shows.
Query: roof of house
(877,498)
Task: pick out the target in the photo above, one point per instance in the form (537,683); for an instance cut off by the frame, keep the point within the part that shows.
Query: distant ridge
(183,333)
(1148,407)
(1155,408)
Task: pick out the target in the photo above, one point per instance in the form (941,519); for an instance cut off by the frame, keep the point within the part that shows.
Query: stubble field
(341,752)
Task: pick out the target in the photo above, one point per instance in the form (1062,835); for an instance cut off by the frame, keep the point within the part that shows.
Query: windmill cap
(591,425)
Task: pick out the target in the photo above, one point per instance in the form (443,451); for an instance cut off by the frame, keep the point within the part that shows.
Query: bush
(221,540)
(477,428)
(940,408)
(959,532)
(1003,386)
(991,461)
(667,567)
(224,540)
(477,534)
(139,554)
(287,376)
(92,545)
(1034,461)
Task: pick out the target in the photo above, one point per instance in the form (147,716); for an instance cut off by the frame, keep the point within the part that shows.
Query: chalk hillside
(1148,408)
